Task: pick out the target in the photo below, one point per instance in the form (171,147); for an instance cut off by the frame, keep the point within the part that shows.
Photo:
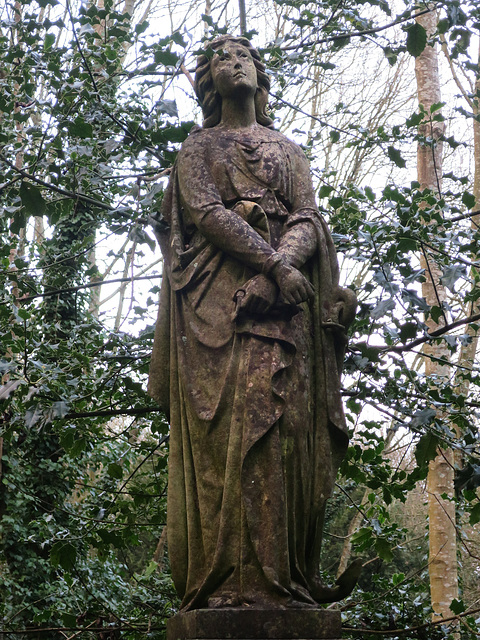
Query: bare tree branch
(87,285)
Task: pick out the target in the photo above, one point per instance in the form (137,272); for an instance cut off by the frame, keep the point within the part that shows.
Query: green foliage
(88,133)
(416,39)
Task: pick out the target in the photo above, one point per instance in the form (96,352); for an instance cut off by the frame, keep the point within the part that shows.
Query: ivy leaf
(416,39)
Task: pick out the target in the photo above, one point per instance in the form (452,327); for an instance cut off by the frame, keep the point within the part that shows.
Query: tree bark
(441,512)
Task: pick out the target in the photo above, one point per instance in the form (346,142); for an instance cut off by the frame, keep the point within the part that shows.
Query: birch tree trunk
(469,350)
(441,511)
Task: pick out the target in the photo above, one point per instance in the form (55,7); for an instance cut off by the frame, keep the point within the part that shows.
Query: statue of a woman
(248,350)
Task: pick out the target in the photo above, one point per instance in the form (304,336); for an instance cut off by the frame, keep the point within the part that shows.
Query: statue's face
(233,71)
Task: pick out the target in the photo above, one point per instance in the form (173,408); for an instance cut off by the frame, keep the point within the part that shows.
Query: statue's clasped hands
(293,285)
(284,284)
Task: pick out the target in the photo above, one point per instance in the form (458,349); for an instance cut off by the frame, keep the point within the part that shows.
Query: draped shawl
(257,424)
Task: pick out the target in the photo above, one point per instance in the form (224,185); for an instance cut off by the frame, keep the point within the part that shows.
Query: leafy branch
(358,34)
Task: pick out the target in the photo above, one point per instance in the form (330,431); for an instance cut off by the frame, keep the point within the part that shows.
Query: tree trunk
(441,511)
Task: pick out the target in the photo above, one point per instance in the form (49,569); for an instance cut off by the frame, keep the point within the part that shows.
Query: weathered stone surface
(248,353)
(255,624)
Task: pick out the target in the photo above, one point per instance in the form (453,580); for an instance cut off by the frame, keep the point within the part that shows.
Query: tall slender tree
(442,561)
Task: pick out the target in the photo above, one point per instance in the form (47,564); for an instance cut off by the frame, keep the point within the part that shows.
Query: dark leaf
(115,470)
(457,606)
(334,135)
(475,514)
(32,199)
(80,128)
(63,554)
(451,274)
(468,200)
(394,155)
(416,39)
(426,449)
(165,57)
(384,549)
(408,331)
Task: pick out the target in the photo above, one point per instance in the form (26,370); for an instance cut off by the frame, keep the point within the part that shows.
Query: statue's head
(209,97)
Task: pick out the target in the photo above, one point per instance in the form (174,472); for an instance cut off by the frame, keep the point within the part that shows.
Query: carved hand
(295,288)
(259,295)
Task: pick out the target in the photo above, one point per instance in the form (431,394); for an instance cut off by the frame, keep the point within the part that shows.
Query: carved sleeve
(299,240)
(223,227)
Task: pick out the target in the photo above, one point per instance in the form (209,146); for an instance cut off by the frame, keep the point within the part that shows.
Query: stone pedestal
(255,624)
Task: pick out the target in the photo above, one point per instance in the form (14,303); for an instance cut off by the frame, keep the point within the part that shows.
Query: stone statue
(248,351)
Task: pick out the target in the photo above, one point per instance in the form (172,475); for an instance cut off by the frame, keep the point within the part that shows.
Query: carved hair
(210,100)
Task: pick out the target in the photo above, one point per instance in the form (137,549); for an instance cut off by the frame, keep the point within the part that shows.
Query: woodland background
(95,99)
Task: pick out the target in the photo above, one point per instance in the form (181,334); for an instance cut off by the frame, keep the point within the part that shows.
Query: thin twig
(87,285)
(358,34)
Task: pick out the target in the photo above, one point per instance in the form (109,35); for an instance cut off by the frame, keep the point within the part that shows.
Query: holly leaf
(395,156)
(468,200)
(63,554)
(382,308)
(80,128)
(408,331)
(475,514)
(457,606)
(416,39)
(32,199)
(451,274)
(114,470)
(426,449)
(384,549)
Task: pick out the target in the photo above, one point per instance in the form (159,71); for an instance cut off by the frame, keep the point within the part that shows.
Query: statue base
(255,624)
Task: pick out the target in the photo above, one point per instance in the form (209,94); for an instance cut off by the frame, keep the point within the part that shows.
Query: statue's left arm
(299,240)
